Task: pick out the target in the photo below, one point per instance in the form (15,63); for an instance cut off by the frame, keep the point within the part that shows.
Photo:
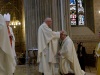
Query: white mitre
(7,17)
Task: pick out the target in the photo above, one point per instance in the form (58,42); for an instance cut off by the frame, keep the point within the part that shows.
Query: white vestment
(47,49)
(13,41)
(7,60)
(68,61)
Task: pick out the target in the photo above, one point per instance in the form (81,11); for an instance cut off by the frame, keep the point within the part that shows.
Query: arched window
(77,12)
(82,13)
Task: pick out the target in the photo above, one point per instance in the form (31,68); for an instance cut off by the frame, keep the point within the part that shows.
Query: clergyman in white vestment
(69,64)
(7,60)
(11,34)
(13,40)
(47,47)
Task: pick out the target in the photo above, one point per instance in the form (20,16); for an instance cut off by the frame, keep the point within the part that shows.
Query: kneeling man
(69,64)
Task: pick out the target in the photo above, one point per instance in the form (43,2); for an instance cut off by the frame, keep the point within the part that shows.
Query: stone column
(67,27)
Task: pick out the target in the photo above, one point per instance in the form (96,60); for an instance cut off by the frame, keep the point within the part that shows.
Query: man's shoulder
(68,40)
(42,25)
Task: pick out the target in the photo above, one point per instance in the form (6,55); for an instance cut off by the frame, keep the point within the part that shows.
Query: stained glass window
(77,12)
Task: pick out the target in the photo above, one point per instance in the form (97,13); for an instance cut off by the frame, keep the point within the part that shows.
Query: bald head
(64,32)
(63,35)
(48,21)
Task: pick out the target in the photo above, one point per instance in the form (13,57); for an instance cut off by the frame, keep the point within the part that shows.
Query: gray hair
(47,19)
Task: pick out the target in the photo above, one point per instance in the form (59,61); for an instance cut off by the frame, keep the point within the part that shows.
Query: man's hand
(59,54)
(11,36)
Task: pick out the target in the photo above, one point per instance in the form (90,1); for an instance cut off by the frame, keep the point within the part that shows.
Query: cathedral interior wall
(85,35)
